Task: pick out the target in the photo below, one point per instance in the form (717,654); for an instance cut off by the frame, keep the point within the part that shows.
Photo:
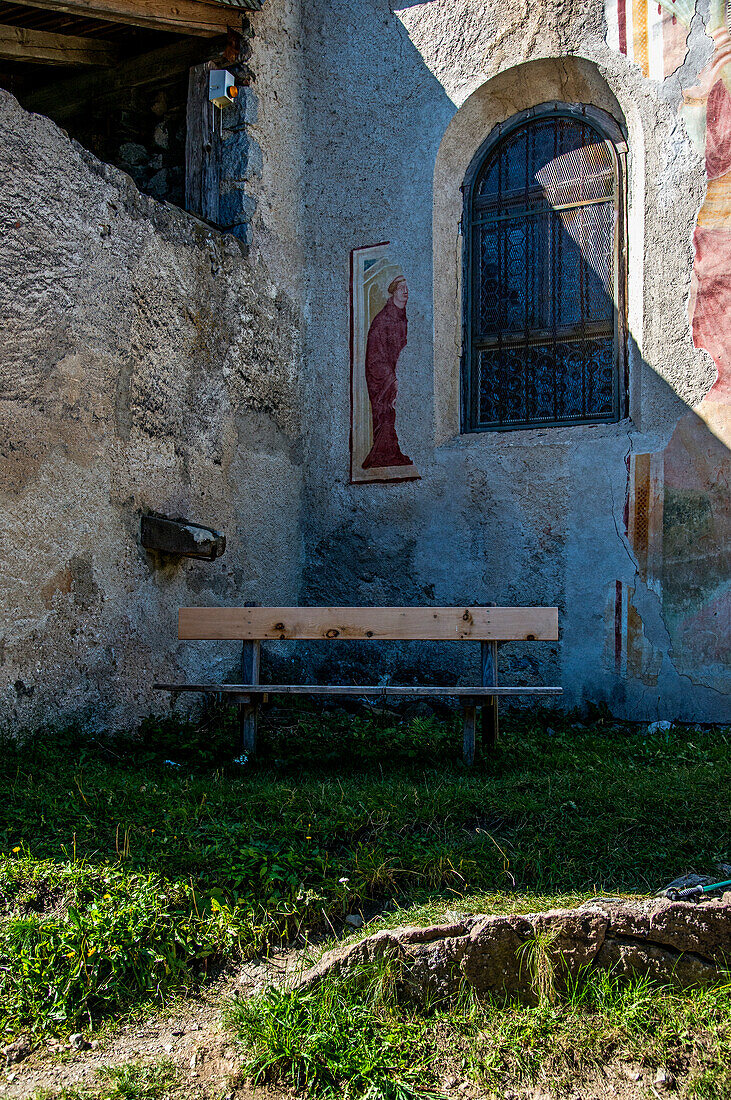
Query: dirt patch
(190,1033)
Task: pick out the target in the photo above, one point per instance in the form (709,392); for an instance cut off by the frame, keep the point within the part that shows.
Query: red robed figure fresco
(386,341)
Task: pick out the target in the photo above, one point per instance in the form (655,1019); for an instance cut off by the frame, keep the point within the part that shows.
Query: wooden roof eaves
(196,17)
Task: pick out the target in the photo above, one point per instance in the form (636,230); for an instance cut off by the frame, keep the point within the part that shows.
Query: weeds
(542,965)
(346,1039)
(116,938)
(600,1020)
(132,867)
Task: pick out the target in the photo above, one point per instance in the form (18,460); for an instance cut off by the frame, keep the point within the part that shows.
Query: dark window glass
(542,344)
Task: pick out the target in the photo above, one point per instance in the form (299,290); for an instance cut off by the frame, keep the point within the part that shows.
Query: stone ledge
(676,943)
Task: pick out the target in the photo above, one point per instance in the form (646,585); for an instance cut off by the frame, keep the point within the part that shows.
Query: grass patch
(129,868)
(129,1082)
(599,1022)
(114,939)
(352,1038)
(346,1039)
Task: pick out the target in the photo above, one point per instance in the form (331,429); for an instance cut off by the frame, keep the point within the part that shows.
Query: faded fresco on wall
(650,33)
(379,295)
(677,509)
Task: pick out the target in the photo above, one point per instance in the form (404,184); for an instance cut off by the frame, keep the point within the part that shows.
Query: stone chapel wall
(147,363)
(396,98)
(151,363)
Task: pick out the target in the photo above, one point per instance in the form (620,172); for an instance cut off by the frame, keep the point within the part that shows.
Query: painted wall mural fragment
(678,524)
(706,110)
(631,654)
(650,33)
(379,328)
(678,518)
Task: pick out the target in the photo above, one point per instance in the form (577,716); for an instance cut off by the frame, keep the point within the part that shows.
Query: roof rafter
(64,97)
(197,17)
(45,48)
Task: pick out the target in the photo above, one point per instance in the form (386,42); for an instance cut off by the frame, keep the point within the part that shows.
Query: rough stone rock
(16,1051)
(432,966)
(572,939)
(632,959)
(703,929)
(401,944)
(492,959)
(666,941)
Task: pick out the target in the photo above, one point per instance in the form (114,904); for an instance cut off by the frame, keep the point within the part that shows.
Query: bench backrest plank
(380,623)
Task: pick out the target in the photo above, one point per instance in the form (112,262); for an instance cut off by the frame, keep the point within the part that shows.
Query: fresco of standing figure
(386,341)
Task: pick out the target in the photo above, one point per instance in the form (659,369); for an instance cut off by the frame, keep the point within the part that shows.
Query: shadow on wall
(677,524)
(676,514)
(667,623)
(677,509)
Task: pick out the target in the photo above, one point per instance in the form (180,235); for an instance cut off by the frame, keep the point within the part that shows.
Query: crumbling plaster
(398,97)
(148,363)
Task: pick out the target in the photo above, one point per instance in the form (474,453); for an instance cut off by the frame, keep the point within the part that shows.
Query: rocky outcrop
(674,943)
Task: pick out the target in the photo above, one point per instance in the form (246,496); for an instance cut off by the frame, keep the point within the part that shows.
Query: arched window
(544,280)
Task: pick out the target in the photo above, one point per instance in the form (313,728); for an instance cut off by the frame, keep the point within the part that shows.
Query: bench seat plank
(378,690)
(365,623)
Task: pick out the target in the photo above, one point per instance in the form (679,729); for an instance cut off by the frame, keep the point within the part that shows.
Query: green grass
(344,1040)
(599,1021)
(129,1082)
(114,938)
(352,1038)
(124,879)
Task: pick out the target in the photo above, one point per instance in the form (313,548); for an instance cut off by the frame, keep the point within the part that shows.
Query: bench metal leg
(248,712)
(468,735)
(490,724)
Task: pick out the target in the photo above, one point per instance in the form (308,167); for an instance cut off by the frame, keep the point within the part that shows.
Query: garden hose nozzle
(693,893)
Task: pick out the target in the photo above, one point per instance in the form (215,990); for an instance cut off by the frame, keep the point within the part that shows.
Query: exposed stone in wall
(240,163)
(673,943)
(143,134)
(147,363)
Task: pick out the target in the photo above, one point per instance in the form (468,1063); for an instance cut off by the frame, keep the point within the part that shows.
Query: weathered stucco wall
(147,363)
(398,97)
(150,363)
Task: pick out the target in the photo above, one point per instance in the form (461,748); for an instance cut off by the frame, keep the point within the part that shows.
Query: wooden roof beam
(180,16)
(63,98)
(44,48)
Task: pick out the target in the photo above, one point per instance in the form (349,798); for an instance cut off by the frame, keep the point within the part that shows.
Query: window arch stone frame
(610,131)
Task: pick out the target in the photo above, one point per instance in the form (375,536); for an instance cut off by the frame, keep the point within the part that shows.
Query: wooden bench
(486,625)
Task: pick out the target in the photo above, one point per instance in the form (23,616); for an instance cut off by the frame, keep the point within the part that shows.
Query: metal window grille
(542,286)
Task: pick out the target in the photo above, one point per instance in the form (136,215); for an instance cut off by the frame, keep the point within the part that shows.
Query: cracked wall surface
(148,364)
(677,506)
(392,101)
(151,363)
